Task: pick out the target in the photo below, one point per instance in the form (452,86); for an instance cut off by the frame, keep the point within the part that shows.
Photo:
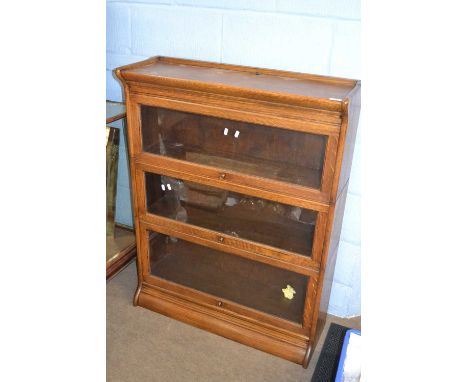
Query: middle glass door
(266,222)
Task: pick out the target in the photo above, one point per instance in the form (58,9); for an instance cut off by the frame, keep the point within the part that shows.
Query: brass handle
(220,239)
(222,176)
(220,303)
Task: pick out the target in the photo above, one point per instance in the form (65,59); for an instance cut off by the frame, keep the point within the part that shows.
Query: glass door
(278,225)
(267,152)
(275,291)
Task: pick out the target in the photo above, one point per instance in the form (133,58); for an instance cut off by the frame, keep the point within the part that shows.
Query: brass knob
(220,239)
(220,303)
(222,176)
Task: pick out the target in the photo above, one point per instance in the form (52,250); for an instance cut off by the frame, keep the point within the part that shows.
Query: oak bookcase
(239,179)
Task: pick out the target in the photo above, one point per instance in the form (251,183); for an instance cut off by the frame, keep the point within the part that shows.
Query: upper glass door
(267,152)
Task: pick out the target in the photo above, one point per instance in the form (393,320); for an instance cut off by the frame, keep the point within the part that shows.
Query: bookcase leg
(137,295)
(307,356)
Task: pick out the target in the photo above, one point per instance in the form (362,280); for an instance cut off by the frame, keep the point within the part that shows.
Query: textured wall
(312,36)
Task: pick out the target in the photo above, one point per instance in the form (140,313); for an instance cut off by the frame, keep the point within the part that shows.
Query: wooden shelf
(253,166)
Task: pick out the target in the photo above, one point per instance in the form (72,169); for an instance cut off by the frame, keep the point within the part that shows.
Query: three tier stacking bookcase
(239,179)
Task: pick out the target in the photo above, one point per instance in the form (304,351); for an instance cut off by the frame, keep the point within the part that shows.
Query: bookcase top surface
(228,77)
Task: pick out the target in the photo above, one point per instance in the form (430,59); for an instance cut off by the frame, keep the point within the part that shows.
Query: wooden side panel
(328,264)
(132,141)
(352,108)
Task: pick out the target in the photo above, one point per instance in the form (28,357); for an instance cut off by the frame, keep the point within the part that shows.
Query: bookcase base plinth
(294,348)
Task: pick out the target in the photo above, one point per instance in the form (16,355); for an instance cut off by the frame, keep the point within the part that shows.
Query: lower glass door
(256,285)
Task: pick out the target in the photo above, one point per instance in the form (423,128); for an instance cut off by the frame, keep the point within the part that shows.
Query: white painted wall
(315,36)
